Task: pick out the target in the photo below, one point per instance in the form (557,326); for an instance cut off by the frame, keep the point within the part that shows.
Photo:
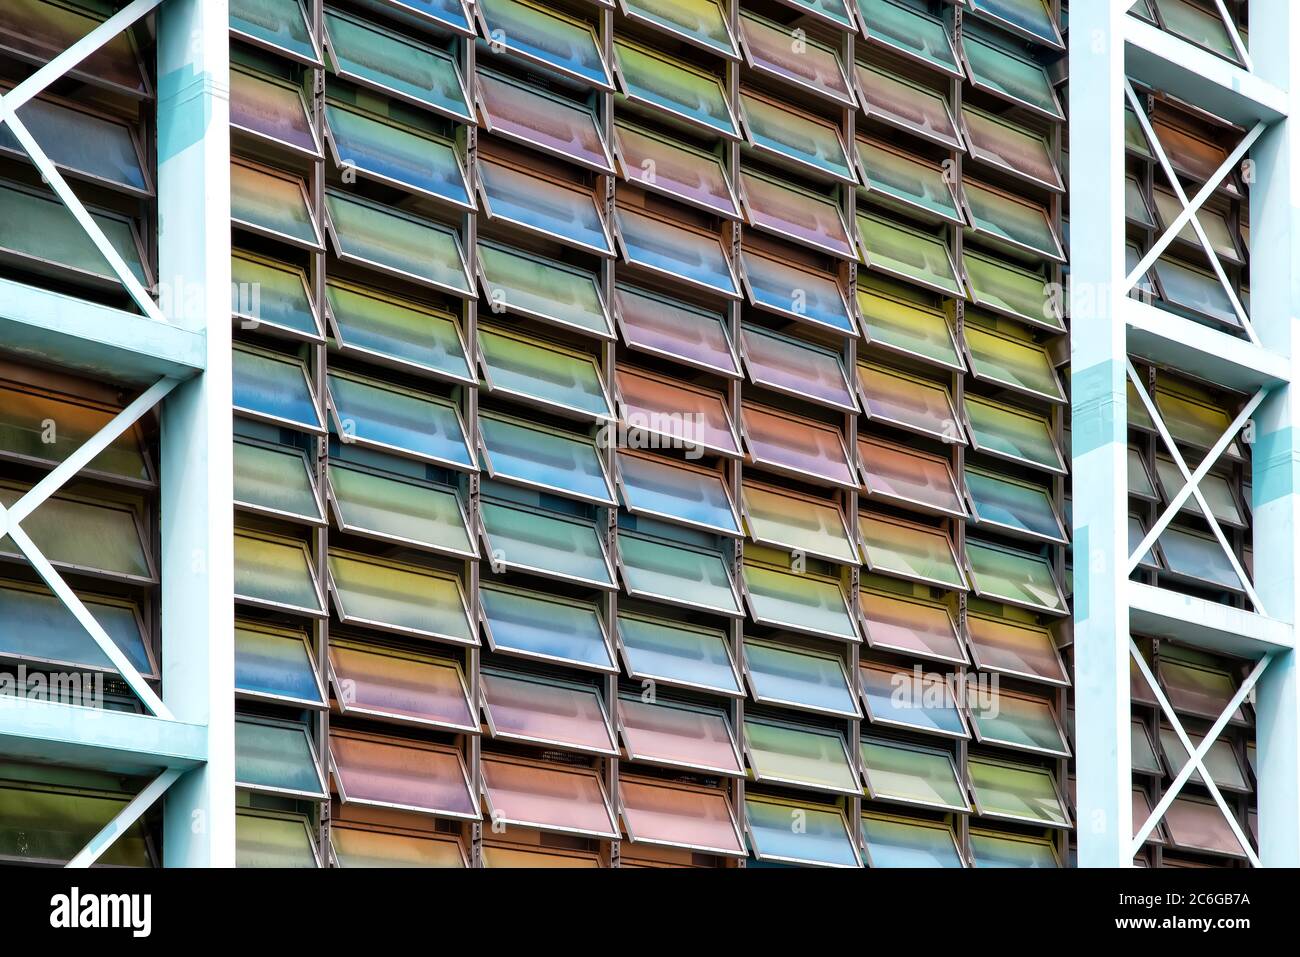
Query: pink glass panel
(403,687)
(678,736)
(801,445)
(545,712)
(678,816)
(547,796)
(384,772)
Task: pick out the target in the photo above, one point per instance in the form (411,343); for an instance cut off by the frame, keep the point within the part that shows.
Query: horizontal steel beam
(1205,624)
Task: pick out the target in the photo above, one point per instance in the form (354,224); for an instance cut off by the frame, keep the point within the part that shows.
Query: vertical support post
(1098,347)
(1275,304)
(196,457)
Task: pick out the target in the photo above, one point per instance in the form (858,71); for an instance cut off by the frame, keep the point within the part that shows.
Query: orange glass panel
(803,447)
(535,710)
(400,686)
(695,818)
(385,772)
(916,478)
(550,796)
(679,736)
(687,415)
(1013,648)
(898,623)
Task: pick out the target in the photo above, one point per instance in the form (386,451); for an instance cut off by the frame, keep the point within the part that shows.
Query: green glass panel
(82,534)
(1017,792)
(276,757)
(677,653)
(547,459)
(796,755)
(273,386)
(1144,754)
(37,626)
(545,543)
(1215,488)
(891,175)
(395,508)
(279,24)
(821,838)
(675,88)
(1139,479)
(395,155)
(395,64)
(699,21)
(911,551)
(1005,219)
(1134,139)
(795,137)
(1018,578)
(1191,421)
(25,433)
(892,842)
(38,226)
(1203,27)
(554,377)
(797,678)
(1010,433)
(1015,363)
(812,526)
(907,327)
(272,842)
(1213,222)
(991,850)
(371,413)
(273,571)
(1221,761)
(524,283)
(51,827)
(911,774)
(273,204)
(1016,721)
(534,625)
(268,292)
(355,847)
(654,569)
(1001,500)
(407,598)
(908,253)
(385,327)
(798,601)
(909,31)
(1004,288)
(274,479)
(1016,78)
(547,39)
(373,235)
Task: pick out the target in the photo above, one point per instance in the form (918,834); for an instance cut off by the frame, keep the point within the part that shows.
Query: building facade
(647,433)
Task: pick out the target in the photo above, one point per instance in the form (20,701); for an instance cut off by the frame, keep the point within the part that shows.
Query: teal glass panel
(1012,504)
(277,24)
(1029,18)
(801,602)
(387,506)
(375,57)
(677,653)
(37,626)
(792,754)
(1195,292)
(371,413)
(1203,27)
(274,479)
(992,850)
(372,235)
(675,251)
(275,572)
(523,283)
(795,137)
(673,87)
(272,841)
(676,574)
(833,10)
(395,155)
(896,177)
(370,322)
(274,664)
(822,839)
(559,378)
(562,213)
(545,543)
(895,696)
(911,774)
(798,678)
(546,39)
(264,291)
(272,204)
(276,757)
(273,387)
(1011,221)
(1006,75)
(534,625)
(440,13)
(542,458)
(1016,721)
(655,486)
(83,144)
(37,226)
(1018,578)
(1010,433)
(910,32)
(891,842)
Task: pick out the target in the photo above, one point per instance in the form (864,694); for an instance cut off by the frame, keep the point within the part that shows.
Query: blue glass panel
(534,625)
(273,386)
